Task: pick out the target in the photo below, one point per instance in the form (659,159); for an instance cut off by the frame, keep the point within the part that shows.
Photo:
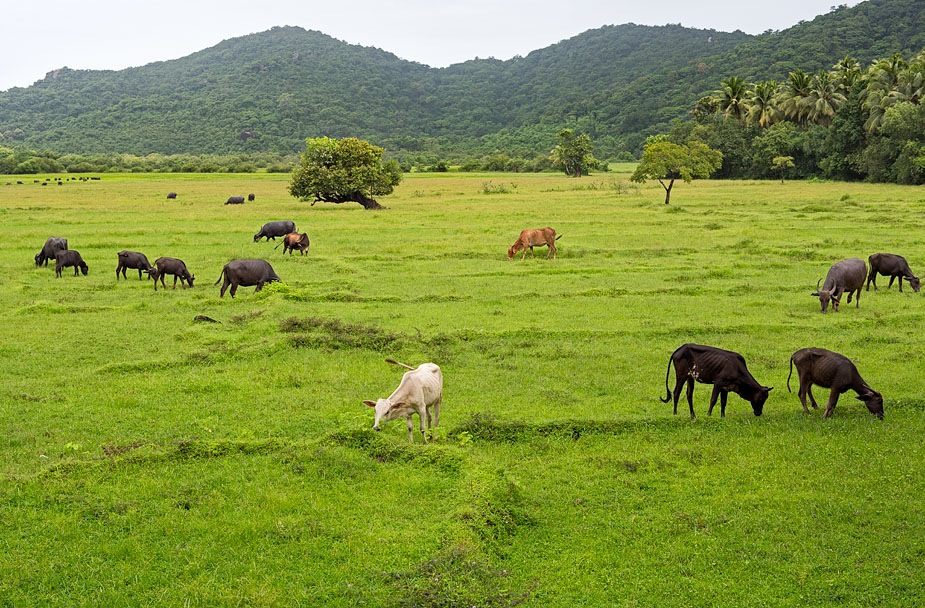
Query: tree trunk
(668,190)
(354,197)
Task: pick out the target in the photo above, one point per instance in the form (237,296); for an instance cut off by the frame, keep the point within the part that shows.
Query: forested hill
(617,83)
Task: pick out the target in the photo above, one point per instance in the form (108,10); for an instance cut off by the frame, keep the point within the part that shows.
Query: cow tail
(277,246)
(790,374)
(558,237)
(393,361)
(667,390)
(220,277)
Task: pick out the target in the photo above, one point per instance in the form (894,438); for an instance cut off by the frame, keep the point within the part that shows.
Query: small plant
(490,188)
(465,438)
(782,163)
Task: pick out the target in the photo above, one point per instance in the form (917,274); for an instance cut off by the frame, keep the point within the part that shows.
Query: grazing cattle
(536,237)
(19,183)
(70,258)
(833,371)
(235,200)
(171,195)
(52,245)
(294,240)
(724,369)
(893,266)
(419,392)
(251,197)
(95,179)
(246,273)
(847,275)
(171,266)
(133,259)
(271,230)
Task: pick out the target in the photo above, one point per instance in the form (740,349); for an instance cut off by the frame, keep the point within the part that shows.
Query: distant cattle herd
(421,389)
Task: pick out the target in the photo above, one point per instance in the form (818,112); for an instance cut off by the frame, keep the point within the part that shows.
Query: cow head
(825,295)
(84,268)
(914,281)
(385,411)
(39,258)
(758,399)
(257,237)
(874,402)
(190,278)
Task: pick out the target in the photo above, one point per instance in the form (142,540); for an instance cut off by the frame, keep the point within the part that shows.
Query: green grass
(151,459)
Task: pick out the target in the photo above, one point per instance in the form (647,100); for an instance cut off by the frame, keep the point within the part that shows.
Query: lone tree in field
(341,171)
(573,154)
(782,163)
(666,162)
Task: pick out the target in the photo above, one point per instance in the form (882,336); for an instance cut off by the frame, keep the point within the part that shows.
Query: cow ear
(369,403)
(815,293)
(396,405)
(768,389)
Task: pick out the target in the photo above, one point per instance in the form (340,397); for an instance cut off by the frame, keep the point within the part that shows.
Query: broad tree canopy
(665,161)
(340,171)
(573,154)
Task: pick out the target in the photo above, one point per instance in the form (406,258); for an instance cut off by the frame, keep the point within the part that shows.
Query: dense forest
(267,92)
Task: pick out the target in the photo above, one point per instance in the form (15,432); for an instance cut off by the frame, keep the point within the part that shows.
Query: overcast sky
(107,34)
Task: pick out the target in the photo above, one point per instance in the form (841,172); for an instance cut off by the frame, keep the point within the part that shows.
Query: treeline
(847,123)
(24,161)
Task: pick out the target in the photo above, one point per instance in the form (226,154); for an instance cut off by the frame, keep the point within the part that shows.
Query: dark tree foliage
(618,84)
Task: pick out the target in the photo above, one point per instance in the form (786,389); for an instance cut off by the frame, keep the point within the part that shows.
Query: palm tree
(763,104)
(824,98)
(883,88)
(793,96)
(849,74)
(733,98)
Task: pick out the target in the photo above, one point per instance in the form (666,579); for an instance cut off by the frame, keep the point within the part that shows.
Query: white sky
(109,34)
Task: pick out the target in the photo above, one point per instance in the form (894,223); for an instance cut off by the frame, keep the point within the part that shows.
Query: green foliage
(618,84)
(782,163)
(340,171)
(667,161)
(573,154)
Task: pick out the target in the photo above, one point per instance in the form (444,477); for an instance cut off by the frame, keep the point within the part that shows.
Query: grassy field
(151,459)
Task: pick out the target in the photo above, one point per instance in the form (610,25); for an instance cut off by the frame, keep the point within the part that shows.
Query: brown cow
(536,237)
(293,241)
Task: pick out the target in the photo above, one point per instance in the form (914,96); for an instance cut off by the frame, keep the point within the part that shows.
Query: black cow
(293,241)
(133,259)
(893,266)
(847,275)
(251,197)
(724,369)
(171,195)
(271,230)
(235,200)
(246,273)
(52,245)
(171,266)
(833,371)
(67,258)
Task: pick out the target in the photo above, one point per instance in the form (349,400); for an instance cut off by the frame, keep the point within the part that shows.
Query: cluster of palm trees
(814,98)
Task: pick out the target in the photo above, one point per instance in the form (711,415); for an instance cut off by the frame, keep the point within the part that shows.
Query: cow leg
(690,396)
(175,282)
(76,270)
(410,429)
(260,284)
(532,257)
(118,268)
(139,274)
(677,391)
(812,399)
(422,415)
(234,290)
(722,403)
(224,287)
(892,278)
(900,284)
(857,298)
(830,406)
(716,391)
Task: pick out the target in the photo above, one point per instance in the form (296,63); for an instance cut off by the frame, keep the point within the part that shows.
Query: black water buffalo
(63,259)
(171,266)
(833,371)
(235,200)
(246,273)
(847,275)
(893,266)
(724,369)
(293,241)
(171,195)
(271,230)
(52,245)
(133,259)
(251,197)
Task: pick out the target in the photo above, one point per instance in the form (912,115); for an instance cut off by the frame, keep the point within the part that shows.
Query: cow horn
(817,284)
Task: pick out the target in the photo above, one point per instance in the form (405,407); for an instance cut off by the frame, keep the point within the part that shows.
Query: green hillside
(617,83)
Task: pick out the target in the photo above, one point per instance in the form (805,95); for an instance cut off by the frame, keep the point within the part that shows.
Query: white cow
(420,392)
